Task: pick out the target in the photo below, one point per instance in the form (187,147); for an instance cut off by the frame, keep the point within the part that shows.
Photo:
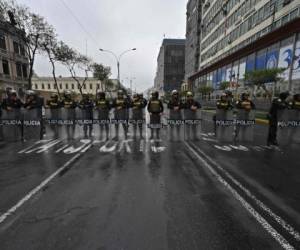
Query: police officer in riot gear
(191,107)
(277,105)
(245,103)
(11,102)
(87,106)
(103,106)
(33,101)
(155,108)
(121,112)
(69,104)
(295,102)
(175,106)
(224,103)
(138,105)
(54,105)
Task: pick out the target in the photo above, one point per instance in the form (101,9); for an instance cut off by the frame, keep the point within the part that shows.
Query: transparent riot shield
(32,124)
(176,125)
(245,122)
(224,125)
(120,124)
(192,124)
(12,125)
(283,117)
(101,121)
(84,120)
(293,126)
(67,123)
(137,124)
(53,117)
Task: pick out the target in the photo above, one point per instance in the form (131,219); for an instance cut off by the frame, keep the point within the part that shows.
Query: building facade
(13,59)
(240,36)
(193,32)
(46,85)
(170,66)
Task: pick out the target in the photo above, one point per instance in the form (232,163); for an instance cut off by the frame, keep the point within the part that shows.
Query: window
(91,86)
(98,86)
(35,86)
(24,70)
(2,42)
(43,86)
(49,86)
(19,69)
(5,67)
(67,86)
(72,86)
(16,48)
(84,86)
(60,86)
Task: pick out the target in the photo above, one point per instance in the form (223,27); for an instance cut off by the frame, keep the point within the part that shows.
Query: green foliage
(101,72)
(260,77)
(224,85)
(205,90)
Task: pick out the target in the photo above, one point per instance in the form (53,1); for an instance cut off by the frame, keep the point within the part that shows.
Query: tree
(260,77)
(102,73)
(32,28)
(224,85)
(52,48)
(205,90)
(74,61)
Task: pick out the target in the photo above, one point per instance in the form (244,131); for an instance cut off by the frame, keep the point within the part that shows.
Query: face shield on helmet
(189,95)
(154,95)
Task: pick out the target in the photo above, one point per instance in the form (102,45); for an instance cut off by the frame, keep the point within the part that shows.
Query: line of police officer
(278,105)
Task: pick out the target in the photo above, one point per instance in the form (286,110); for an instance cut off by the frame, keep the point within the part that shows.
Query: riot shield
(245,121)
(12,125)
(192,124)
(137,123)
(293,126)
(32,124)
(84,120)
(53,117)
(175,124)
(67,123)
(283,117)
(120,123)
(102,118)
(224,125)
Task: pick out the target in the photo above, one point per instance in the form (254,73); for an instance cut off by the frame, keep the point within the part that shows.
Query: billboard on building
(228,73)
(272,59)
(242,70)
(260,61)
(285,60)
(296,67)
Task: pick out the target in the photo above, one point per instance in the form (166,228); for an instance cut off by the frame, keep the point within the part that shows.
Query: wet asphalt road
(143,194)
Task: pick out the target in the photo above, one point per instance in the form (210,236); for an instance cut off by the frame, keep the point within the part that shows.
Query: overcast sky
(116,25)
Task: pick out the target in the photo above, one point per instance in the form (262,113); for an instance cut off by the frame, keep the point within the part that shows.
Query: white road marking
(106,149)
(276,217)
(34,191)
(72,150)
(43,148)
(125,143)
(30,147)
(156,149)
(62,148)
(142,145)
(224,148)
(240,147)
(278,237)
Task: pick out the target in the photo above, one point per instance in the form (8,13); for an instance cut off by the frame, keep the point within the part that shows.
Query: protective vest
(102,104)
(53,104)
(137,104)
(155,106)
(69,104)
(222,104)
(246,105)
(295,105)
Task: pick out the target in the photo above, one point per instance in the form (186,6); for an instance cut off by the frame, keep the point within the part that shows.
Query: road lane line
(30,147)
(278,237)
(264,207)
(34,191)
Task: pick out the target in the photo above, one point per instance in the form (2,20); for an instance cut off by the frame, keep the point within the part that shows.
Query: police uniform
(277,105)
(247,105)
(138,105)
(87,106)
(191,114)
(155,108)
(121,112)
(69,105)
(54,105)
(103,106)
(224,105)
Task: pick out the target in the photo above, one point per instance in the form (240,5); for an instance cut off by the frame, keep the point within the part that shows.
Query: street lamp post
(118,58)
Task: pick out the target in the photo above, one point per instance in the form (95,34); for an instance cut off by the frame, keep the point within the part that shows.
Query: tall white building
(239,36)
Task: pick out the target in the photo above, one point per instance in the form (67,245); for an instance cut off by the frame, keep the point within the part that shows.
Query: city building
(13,58)
(170,66)
(193,32)
(46,85)
(240,36)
